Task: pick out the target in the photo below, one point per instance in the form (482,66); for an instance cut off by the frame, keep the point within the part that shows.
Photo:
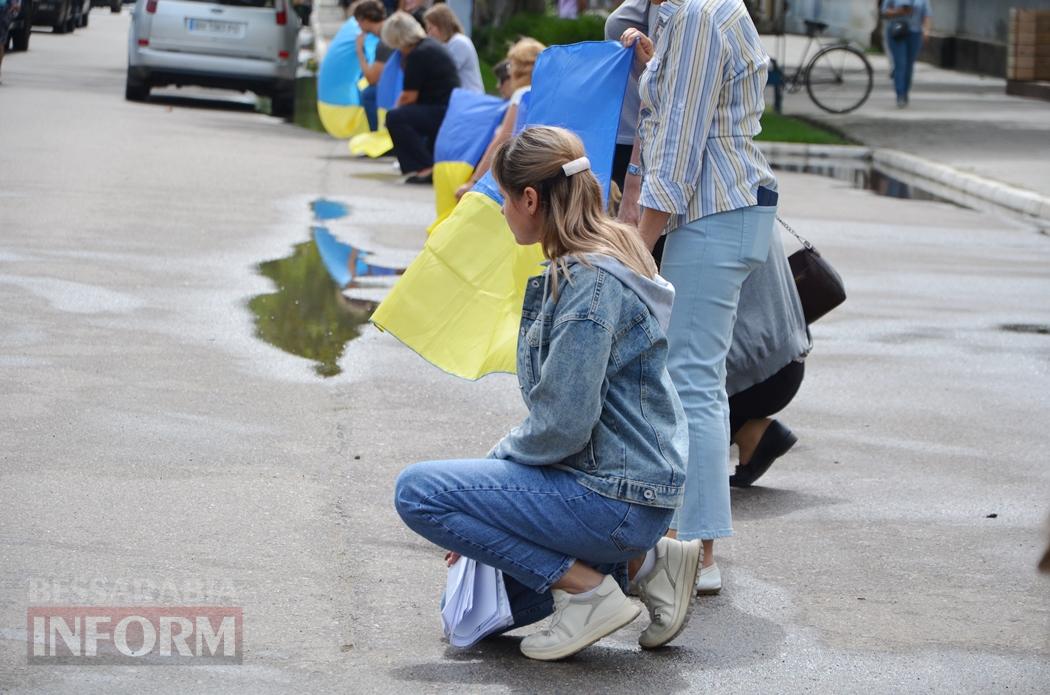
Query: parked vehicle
(60,15)
(81,10)
(113,5)
(247,45)
(21,27)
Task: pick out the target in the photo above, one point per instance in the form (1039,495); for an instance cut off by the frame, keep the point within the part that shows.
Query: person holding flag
(590,479)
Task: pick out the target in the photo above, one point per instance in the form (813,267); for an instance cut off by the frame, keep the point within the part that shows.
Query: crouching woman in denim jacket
(591,478)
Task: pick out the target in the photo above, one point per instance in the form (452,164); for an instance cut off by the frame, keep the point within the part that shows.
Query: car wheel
(135,89)
(114,6)
(20,41)
(282,103)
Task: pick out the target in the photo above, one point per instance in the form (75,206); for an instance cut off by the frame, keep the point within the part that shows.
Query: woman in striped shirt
(702,180)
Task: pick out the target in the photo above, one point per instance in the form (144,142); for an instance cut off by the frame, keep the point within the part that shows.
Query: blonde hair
(444,20)
(401,31)
(574,222)
(522,58)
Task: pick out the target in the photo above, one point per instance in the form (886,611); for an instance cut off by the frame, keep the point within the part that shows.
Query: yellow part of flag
(458,305)
(375,143)
(448,177)
(342,121)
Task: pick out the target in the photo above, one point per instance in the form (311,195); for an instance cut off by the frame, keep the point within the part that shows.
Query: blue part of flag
(487,185)
(581,87)
(523,112)
(334,254)
(468,127)
(340,71)
(391,82)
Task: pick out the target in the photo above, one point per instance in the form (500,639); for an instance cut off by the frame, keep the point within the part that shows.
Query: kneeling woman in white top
(443,25)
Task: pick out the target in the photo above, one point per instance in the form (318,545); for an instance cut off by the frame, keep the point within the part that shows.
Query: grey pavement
(148,435)
(962,120)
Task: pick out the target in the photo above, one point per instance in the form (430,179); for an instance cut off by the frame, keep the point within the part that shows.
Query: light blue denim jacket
(594,377)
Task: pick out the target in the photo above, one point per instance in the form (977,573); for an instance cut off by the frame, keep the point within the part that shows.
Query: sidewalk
(964,121)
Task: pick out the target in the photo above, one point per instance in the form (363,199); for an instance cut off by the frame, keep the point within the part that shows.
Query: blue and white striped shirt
(701,97)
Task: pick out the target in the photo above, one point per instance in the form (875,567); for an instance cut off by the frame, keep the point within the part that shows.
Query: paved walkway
(958,119)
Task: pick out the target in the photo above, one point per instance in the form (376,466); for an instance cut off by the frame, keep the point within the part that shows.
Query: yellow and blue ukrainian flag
(377,143)
(470,122)
(459,302)
(338,92)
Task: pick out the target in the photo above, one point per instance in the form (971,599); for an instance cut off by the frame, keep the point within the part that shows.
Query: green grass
(780,128)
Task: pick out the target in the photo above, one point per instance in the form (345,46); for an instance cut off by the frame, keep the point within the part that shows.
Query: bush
(492,42)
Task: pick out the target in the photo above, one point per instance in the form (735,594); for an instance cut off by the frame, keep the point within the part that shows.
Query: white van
(247,45)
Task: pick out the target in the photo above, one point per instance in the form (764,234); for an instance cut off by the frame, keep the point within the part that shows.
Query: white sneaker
(580,622)
(667,591)
(709,582)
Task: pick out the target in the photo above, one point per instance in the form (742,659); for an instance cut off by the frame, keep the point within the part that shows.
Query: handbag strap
(805,243)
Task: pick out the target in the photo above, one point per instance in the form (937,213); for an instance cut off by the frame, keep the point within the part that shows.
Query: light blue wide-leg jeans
(707,261)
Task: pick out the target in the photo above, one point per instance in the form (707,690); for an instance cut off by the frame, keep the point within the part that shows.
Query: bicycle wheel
(838,79)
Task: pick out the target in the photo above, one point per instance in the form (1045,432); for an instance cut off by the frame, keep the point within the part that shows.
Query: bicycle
(838,78)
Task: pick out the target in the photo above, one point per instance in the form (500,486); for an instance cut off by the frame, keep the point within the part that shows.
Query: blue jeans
(707,261)
(905,51)
(368,102)
(531,522)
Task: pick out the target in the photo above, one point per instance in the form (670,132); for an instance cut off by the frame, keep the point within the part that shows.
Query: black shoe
(776,441)
(416,178)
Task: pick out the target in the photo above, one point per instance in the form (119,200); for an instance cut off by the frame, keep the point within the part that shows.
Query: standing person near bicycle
(701,179)
(908,26)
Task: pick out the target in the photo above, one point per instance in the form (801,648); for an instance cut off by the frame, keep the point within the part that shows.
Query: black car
(60,15)
(21,27)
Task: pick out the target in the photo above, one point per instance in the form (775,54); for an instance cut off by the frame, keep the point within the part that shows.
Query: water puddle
(309,315)
(861,175)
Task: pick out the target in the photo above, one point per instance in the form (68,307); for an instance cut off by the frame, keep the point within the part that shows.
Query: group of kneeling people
(617,480)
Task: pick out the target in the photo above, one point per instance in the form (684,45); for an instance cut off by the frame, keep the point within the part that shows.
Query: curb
(941,180)
(976,188)
(795,150)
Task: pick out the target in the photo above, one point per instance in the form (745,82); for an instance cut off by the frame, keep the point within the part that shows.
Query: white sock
(586,594)
(647,565)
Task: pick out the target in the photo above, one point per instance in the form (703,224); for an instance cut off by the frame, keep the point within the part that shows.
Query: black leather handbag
(820,287)
(899,29)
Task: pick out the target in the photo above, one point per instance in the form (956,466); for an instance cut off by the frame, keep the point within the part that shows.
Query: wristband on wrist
(634,170)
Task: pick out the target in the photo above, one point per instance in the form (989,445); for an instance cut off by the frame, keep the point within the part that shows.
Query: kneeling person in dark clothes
(764,367)
(430,77)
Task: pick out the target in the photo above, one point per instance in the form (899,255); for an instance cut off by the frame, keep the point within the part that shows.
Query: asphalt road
(155,450)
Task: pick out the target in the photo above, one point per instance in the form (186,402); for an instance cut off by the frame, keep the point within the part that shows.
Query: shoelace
(559,611)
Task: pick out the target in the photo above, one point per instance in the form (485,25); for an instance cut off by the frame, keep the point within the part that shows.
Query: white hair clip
(576,166)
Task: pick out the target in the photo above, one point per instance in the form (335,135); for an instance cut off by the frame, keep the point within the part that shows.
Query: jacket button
(648,494)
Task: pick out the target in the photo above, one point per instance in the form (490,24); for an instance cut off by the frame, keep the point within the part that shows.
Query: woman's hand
(643,45)
(461,191)
(451,558)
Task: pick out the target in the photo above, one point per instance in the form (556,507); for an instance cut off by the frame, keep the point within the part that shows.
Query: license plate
(214,27)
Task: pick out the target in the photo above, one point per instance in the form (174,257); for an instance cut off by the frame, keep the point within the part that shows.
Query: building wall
(971,35)
(848,19)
